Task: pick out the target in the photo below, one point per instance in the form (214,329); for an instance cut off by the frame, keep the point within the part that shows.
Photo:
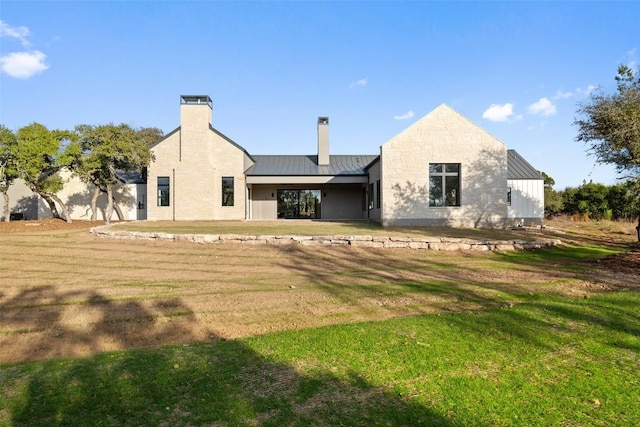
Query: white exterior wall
(22,200)
(444,136)
(527,200)
(195,158)
(76,195)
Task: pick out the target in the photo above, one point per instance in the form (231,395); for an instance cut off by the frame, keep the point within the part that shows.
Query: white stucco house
(442,170)
(130,194)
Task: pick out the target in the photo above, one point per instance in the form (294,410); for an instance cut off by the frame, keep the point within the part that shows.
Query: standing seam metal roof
(302,165)
(519,168)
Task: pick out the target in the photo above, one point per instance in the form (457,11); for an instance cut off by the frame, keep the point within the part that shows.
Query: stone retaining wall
(424,243)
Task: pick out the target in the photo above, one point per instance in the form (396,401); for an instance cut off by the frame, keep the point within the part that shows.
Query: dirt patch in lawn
(45,225)
(65,293)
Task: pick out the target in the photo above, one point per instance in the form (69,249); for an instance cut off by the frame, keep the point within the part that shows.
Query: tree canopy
(102,151)
(610,124)
(35,154)
(8,172)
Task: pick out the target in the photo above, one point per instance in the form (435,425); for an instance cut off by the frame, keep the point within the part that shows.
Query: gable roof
(519,168)
(214,130)
(131,177)
(339,165)
(441,120)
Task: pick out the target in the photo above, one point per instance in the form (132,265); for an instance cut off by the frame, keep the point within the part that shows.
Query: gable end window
(227,191)
(444,184)
(378,194)
(163,190)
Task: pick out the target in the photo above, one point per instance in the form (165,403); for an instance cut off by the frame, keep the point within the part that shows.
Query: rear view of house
(442,170)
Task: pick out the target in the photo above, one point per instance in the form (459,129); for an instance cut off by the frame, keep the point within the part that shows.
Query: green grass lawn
(500,349)
(545,361)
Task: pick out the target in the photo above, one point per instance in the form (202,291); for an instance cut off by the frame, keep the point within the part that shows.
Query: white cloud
(23,65)
(561,95)
(405,116)
(542,106)
(361,82)
(498,113)
(19,33)
(587,91)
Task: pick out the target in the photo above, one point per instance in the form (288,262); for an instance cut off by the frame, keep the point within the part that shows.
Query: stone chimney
(195,112)
(195,120)
(323,141)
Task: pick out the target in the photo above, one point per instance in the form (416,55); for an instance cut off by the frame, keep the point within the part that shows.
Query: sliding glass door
(299,204)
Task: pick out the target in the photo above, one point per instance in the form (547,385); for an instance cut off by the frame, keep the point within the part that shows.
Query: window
(509,196)
(364,199)
(163,190)
(378,194)
(444,184)
(299,204)
(227,191)
(371,195)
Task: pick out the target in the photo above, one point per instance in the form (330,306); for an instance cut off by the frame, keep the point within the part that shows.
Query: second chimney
(323,141)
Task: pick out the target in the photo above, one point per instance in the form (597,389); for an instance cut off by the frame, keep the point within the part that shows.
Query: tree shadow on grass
(42,322)
(419,285)
(215,383)
(219,383)
(222,383)
(358,274)
(231,382)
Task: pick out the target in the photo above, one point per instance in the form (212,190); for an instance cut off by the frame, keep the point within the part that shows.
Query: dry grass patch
(65,293)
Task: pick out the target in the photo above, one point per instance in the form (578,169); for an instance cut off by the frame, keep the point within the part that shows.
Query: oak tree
(102,152)
(36,157)
(8,172)
(610,125)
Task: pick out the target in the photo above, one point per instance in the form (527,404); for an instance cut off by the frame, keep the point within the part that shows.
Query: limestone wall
(195,158)
(444,136)
(423,243)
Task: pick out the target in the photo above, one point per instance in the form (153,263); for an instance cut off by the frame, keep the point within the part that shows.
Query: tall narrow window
(508,196)
(378,194)
(371,195)
(227,191)
(444,184)
(163,190)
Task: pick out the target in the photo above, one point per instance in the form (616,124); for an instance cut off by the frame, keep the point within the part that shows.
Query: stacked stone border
(424,243)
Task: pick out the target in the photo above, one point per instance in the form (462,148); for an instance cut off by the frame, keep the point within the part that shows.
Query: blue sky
(516,69)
